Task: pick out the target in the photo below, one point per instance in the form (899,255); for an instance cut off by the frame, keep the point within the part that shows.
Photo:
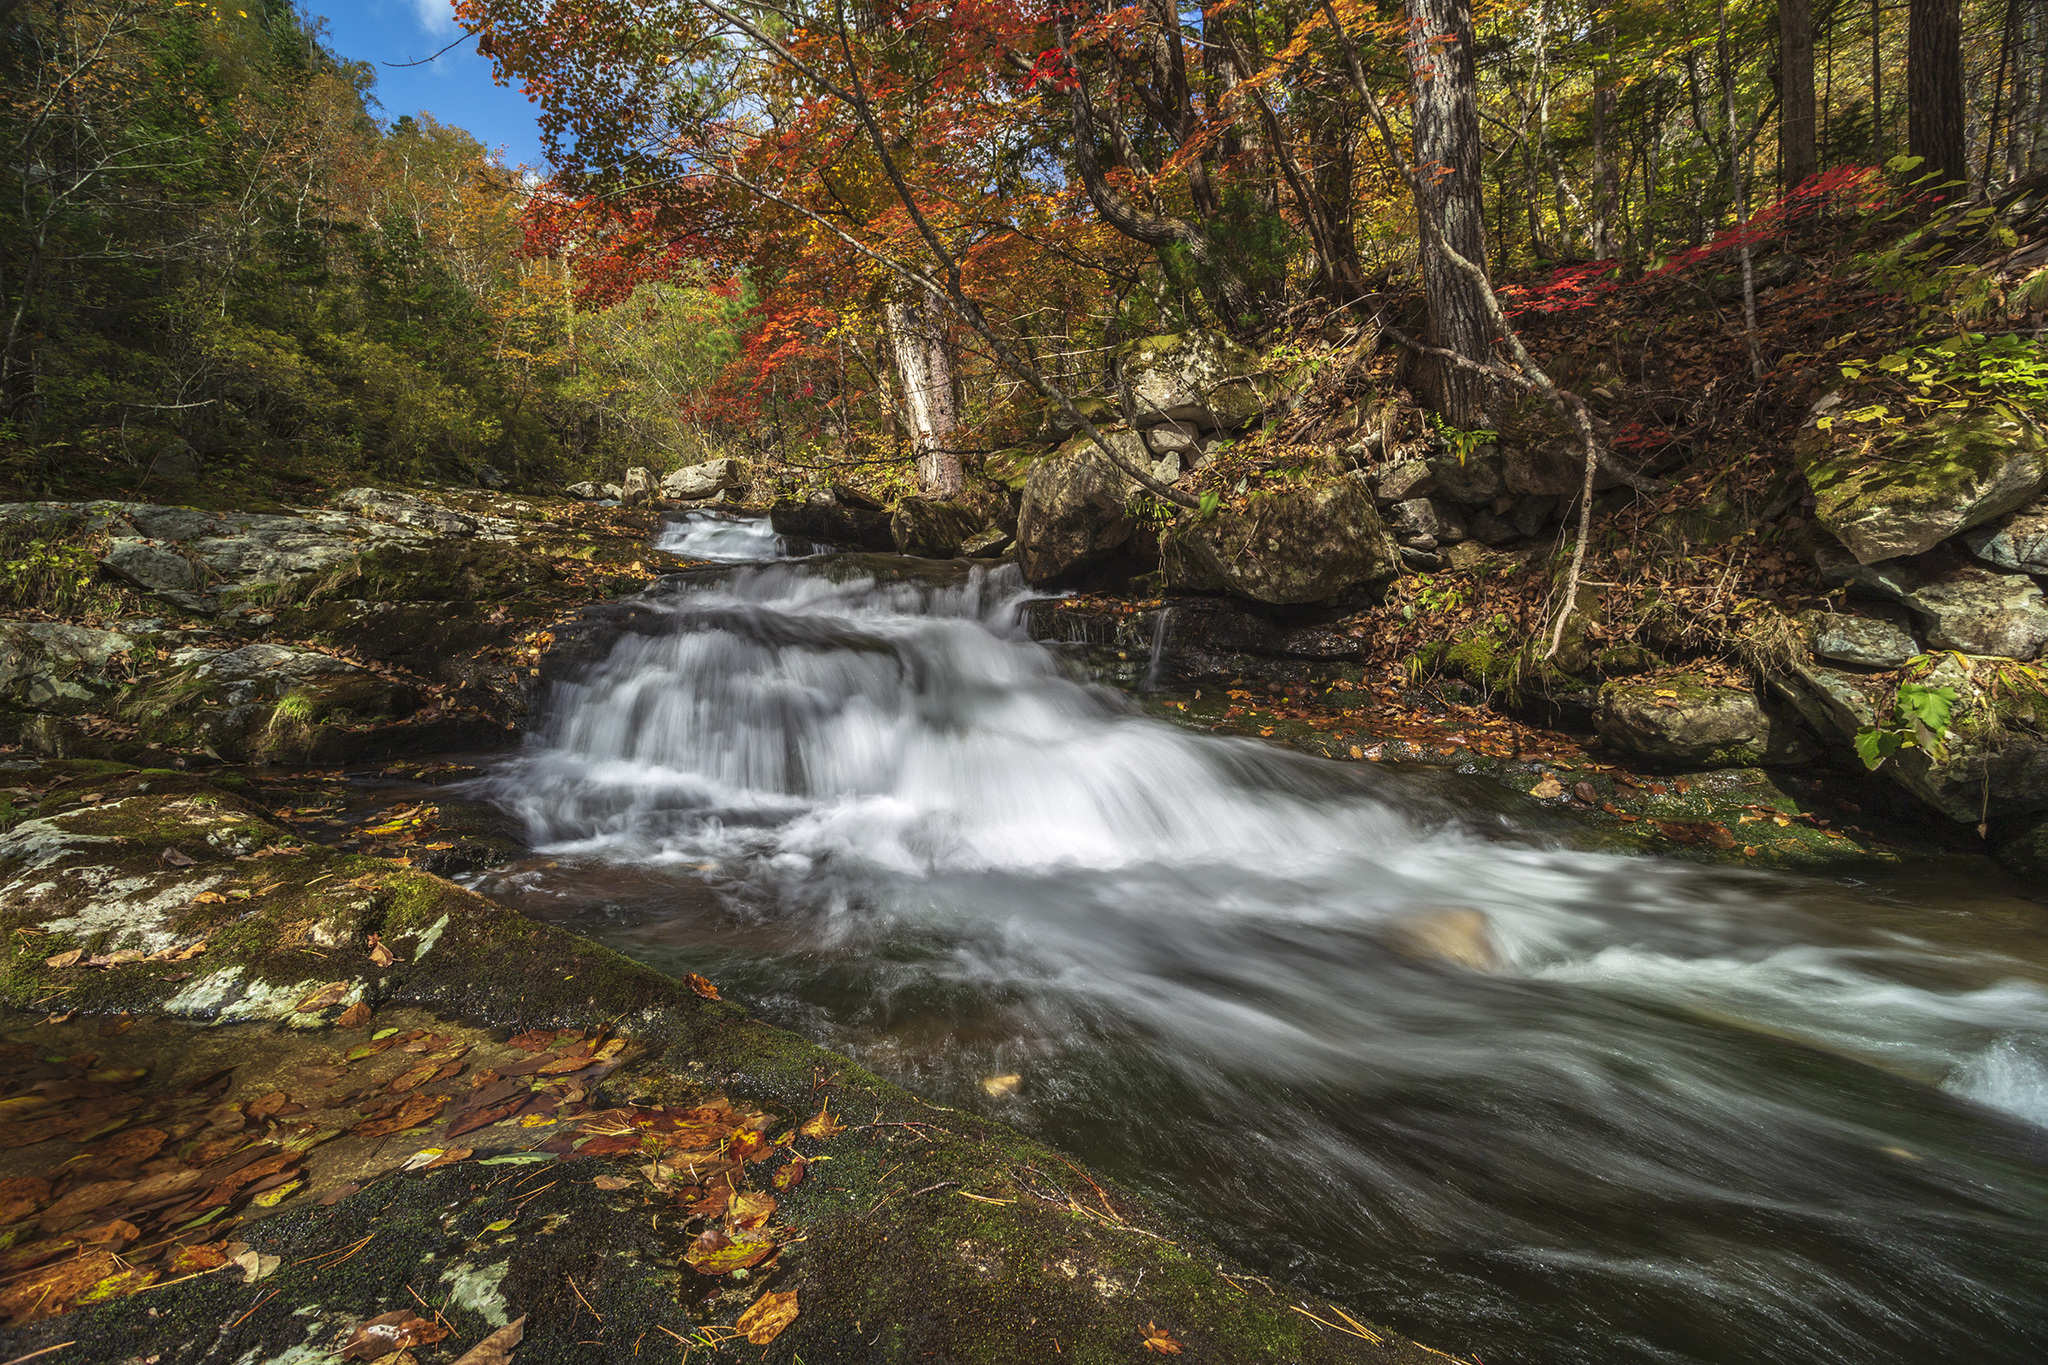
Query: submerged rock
(1458,936)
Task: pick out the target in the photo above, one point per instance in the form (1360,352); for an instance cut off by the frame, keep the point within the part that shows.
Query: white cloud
(436,16)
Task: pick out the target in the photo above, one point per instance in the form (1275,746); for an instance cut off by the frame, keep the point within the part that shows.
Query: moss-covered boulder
(1199,378)
(932,529)
(61,668)
(1682,722)
(1311,542)
(372,1090)
(1958,472)
(1076,508)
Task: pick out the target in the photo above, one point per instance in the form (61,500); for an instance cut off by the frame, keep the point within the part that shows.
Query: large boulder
(1302,543)
(704,480)
(931,529)
(1685,723)
(151,567)
(638,488)
(1404,480)
(826,522)
(403,509)
(585,492)
(1908,498)
(1076,508)
(1201,379)
(1426,523)
(52,666)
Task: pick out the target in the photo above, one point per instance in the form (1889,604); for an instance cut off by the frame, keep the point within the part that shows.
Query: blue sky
(456,88)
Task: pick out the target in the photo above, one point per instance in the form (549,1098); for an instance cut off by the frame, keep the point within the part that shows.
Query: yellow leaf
(770,1314)
(823,1125)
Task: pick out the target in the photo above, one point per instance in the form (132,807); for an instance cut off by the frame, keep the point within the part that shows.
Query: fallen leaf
(1545,789)
(416,1110)
(1584,792)
(184,954)
(789,1175)
(495,1349)
(269,1105)
(612,1182)
(1664,692)
(66,959)
(751,1208)
(702,985)
(1158,1339)
(379,954)
(328,995)
(256,1266)
(389,1333)
(823,1125)
(209,898)
(717,1253)
(995,1087)
(770,1314)
(172,857)
(355,1016)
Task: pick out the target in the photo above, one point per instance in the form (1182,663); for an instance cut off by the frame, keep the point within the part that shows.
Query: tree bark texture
(1797,146)
(1447,161)
(918,347)
(1934,89)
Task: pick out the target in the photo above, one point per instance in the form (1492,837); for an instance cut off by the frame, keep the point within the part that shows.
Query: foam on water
(968,860)
(727,536)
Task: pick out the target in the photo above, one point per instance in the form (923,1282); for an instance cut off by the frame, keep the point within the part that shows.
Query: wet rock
(1404,481)
(1075,511)
(1954,474)
(151,567)
(1863,640)
(1454,935)
(827,523)
(1473,481)
(403,509)
(586,491)
(993,543)
(1201,379)
(1305,543)
(1681,722)
(702,480)
(931,529)
(2017,541)
(638,487)
(1427,522)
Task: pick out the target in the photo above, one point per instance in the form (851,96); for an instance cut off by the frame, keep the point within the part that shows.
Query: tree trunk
(1797,148)
(1447,156)
(919,350)
(1934,90)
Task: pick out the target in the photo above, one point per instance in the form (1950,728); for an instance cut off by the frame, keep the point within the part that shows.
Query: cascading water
(709,534)
(1366,1028)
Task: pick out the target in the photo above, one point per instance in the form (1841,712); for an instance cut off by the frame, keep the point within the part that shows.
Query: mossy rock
(452,571)
(1956,471)
(1681,721)
(1314,542)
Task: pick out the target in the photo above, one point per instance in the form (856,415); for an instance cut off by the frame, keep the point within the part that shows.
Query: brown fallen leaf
(389,1333)
(209,898)
(355,1016)
(612,1182)
(173,857)
(716,1253)
(20,1196)
(789,1174)
(495,1349)
(328,995)
(1158,1339)
(702,985)
(379,954)
(65,959)
(179,954)
(51,1291)
(416,1110)
(823,1125)
(770,1314)
(1544,790)
(269,1105)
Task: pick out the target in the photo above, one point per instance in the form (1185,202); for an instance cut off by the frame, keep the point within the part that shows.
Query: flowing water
(1641,1111)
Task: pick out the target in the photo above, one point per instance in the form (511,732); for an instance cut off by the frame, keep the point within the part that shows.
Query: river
(1660,1111)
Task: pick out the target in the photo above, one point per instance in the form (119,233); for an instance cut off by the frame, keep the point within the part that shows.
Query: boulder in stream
(1076,510)
(705,480)
(1300,543)
(931,529)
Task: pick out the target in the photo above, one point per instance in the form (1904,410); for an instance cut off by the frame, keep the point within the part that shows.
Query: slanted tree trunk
(1934,90)
(918,347)
(1797,147)
(1448,189)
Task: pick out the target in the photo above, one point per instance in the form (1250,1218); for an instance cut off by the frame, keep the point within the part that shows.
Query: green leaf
(516,1158)
(1875,745)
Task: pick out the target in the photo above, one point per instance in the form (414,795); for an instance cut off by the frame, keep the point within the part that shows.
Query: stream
(1632,1109)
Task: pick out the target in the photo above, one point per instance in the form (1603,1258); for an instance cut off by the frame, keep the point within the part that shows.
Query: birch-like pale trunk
(918,348)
